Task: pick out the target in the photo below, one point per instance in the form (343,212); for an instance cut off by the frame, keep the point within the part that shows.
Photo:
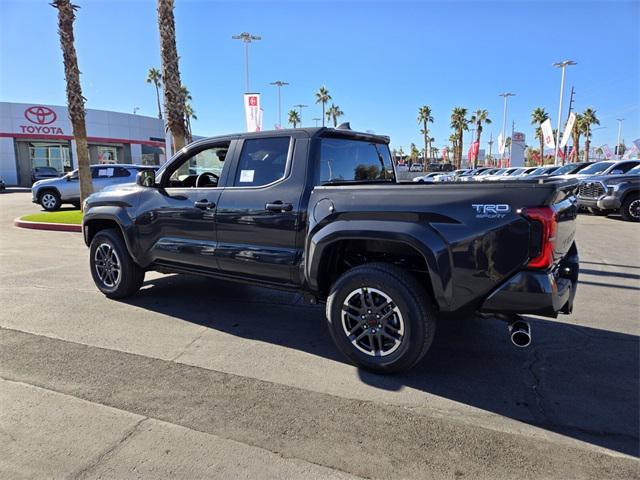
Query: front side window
(262,161)
(344,160)
(201,170)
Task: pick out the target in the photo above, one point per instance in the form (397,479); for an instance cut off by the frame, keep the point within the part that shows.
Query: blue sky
(380,61)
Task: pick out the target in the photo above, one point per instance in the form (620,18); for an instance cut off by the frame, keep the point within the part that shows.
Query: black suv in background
(608,194)
(42,173)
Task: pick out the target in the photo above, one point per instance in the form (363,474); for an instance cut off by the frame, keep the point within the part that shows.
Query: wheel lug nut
(373,330)
(368,311)
(377,316)
(379,325)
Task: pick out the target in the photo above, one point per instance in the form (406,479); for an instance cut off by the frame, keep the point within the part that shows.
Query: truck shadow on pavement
(576,381)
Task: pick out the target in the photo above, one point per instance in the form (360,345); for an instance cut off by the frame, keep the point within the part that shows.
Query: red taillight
(547,218)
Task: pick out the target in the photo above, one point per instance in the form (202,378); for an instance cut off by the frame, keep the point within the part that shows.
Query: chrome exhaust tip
(520,334)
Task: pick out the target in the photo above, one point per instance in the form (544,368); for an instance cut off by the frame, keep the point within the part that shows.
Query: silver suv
(53,192)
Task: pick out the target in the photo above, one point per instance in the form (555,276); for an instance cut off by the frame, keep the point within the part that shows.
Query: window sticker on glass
(246,176)
(105,172)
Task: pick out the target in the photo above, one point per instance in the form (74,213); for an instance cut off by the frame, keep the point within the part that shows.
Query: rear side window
(354,160)
(121,172)
(262,161)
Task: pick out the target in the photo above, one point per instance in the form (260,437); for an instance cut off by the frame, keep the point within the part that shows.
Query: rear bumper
(544,293)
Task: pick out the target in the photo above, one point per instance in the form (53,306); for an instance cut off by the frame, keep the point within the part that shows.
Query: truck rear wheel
(381,318)
(112,268)
(630,209)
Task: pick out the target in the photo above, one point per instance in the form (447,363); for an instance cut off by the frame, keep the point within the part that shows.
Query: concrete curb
(58,227)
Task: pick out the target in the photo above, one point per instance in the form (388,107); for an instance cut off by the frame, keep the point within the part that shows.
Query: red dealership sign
(41,117)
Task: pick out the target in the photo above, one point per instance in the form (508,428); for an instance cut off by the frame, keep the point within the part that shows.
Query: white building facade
(36,135)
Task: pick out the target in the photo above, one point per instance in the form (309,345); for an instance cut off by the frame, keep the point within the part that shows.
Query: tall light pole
(279,84)
(300,106)
(316,119)
(620,120)
(246,38)
(506,96)
(563,66)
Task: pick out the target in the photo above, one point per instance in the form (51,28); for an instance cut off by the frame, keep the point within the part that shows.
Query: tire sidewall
(414,327)
(626,208)
(109,237)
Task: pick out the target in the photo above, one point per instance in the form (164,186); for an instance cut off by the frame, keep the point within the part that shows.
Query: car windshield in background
(596,168)
(565,169)
(354,161)
(46,170)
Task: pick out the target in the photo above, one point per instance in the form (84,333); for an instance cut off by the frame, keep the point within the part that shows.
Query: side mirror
(146,178)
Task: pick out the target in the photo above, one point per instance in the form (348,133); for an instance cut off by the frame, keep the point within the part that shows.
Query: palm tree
(154,76)
(322,96)
(424,118)
(75,100)
(538,117)
(173,97)
(588,118)
(430,141)
(459,123)
(294,118)
(334,113)
(577,130)
(189,113)
(478,118)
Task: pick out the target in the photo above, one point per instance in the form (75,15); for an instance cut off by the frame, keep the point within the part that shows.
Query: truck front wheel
(112,268)
(381,318)
(630,209)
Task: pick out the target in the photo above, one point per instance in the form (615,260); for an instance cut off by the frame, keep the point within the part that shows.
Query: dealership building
(35,135)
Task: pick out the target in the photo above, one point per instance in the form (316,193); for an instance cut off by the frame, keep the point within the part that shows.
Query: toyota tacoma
(319,211)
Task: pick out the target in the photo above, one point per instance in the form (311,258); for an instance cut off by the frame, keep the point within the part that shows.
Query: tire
(108,249)
(50,200)
(410,319)
(599,213)
(630,209)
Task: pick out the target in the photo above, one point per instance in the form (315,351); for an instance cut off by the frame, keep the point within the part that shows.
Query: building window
(50,155)
(107,154)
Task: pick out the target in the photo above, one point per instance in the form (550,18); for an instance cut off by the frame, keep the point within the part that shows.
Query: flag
(561,154)
(573,149)
(501,143)
(547,133)
(566,134)
(252,111)
(607,152)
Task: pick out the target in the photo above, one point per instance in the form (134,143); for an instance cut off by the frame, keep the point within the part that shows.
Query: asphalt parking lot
(196,378)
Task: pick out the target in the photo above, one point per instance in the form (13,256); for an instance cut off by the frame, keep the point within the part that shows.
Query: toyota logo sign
(40,115)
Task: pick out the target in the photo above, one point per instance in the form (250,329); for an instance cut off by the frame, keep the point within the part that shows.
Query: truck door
(259,211)
(176,222)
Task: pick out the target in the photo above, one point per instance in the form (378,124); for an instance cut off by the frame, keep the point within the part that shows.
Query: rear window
(354,161)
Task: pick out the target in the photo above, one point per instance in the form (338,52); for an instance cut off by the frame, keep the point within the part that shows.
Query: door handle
(204,205)
(278,206)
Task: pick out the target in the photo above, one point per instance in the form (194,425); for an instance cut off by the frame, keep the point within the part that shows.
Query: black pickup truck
(319,211)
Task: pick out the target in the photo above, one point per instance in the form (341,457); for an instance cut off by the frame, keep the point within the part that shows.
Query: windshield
(596,168)
(634,171)
(566,169)
(516,172)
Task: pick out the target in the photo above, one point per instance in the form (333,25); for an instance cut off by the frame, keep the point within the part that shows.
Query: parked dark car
(612,194)
(440,167)
(42,173)
(3,185)
(319,211)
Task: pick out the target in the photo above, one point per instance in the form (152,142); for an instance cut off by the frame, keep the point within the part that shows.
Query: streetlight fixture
(563,66)
(620,120)
(316,120)
(506,96)
(279,84)
(135,110)
(300,106)
(246,38)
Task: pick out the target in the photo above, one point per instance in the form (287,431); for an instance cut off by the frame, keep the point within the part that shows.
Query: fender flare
(420,237)
(116,214)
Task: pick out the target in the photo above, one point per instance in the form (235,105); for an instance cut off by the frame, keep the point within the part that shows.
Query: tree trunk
(541,148)
(426,142)
(587,144)
(158,98)
(173,97)
(75,100)
(323,113)
(477,151)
